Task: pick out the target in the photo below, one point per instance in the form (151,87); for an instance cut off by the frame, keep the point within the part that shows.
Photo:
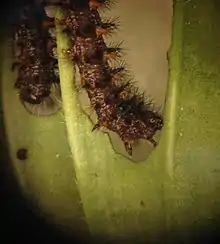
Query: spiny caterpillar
(38,79)
(119,106)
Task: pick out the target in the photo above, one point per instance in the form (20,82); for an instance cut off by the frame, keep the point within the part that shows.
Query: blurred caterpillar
(38,77)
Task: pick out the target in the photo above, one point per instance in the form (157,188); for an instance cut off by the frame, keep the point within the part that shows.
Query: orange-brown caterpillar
(118,105)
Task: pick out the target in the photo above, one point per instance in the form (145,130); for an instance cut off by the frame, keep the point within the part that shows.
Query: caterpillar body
(118,104)
(37,79)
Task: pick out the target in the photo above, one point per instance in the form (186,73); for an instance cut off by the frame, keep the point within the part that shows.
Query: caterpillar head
(44,103)
(154,120)
(34,93)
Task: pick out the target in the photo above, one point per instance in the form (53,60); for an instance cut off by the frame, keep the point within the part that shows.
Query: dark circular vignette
(18,221)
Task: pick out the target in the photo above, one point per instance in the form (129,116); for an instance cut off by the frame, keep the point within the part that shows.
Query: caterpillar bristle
(94,4)
(117,47)
(110,22)
(118,74)
(111,54)
(107,28)
(121,65)
(102,4)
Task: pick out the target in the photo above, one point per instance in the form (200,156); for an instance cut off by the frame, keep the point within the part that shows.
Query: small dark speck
(22,154)
(216,171)
(142,203)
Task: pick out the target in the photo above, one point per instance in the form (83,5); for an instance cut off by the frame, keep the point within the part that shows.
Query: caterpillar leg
(128,147)
(152,141)
(96,126)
